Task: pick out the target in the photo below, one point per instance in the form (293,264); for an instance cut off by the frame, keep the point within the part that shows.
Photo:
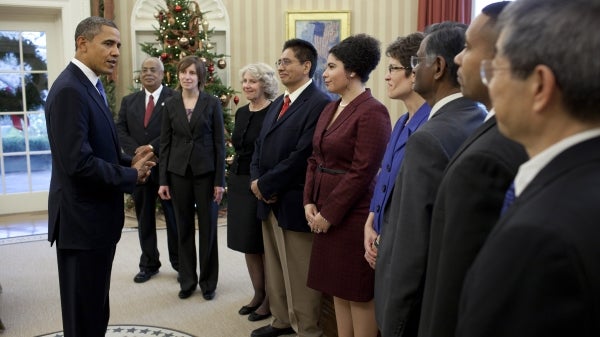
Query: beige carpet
(30,304)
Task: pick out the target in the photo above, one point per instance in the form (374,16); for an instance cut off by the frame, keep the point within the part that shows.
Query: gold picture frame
(324,29)
(295,19)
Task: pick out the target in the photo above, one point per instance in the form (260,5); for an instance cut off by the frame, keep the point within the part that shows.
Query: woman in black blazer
(192,152)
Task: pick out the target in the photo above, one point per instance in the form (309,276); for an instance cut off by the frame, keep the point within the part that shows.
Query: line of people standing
(319,154)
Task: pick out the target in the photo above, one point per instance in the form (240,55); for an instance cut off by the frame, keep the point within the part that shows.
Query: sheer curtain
(432,11)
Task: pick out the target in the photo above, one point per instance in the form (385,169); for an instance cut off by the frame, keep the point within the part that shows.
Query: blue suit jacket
(89,171)
(280,157)
(390,165)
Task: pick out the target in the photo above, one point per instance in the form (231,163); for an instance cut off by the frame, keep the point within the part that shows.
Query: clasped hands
(316,222)
(143,161)
(256,191)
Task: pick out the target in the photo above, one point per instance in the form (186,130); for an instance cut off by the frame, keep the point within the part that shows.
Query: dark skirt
(244,229)
(337,263)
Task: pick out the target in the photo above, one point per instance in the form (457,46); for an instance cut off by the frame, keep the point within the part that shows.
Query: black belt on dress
(330,171)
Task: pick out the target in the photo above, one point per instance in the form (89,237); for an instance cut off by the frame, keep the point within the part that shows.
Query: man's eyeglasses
(487,71)
(416,60)
(392,68)
(284,62)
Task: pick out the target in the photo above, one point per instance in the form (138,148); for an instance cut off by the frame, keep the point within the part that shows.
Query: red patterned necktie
(286,105)
(149,109)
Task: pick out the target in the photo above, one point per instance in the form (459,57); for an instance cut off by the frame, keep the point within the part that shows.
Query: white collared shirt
(489,115)
(530,169)
(155,94)
(87,72)
(439,104)
(294,95)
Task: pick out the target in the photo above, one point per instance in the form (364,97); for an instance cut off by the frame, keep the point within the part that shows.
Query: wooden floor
(23,224)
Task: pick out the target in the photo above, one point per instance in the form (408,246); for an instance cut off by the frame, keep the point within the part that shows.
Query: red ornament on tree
(236,99)
(164,56)
(211,68)
(178,8)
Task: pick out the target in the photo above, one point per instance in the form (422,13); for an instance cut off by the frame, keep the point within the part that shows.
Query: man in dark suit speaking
(538,272)
(89,177)
(140,119)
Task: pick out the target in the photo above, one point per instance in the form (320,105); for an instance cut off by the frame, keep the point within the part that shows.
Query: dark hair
(359,53)
(405,47)
(304,51)
(557,34)
(493,11)
(91,26)
(446,39)
(200,69)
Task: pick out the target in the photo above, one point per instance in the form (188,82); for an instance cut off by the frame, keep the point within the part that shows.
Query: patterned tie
(101,91)
(286,105)
(149,109)
(188,113)
(509,197)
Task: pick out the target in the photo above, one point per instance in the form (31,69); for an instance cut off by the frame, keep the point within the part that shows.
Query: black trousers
(84,280)
(193,196)
(145,197)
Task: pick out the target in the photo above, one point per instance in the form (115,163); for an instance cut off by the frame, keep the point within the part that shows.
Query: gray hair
(561,35)
(266,75)
(161,66)
(446,39)
(91,26)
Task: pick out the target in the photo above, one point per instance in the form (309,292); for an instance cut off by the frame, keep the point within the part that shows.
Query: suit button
(384,188)
(378,208)
(389,167)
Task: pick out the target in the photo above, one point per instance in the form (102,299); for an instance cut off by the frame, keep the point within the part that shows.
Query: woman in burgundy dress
(348,145)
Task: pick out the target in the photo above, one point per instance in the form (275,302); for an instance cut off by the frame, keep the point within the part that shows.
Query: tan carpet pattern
(30,304)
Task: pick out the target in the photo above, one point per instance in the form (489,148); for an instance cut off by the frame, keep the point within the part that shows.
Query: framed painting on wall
(324,29)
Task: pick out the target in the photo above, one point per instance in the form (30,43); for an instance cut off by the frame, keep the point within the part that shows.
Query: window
(25,160)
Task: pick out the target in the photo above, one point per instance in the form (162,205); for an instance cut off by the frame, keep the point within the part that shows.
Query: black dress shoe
(208,295)
(270,331)
(144,275)
(185,293)
(254,316)
(246,310)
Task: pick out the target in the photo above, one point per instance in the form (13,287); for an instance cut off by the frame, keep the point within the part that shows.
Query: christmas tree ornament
(203,59)
(205,25)
(209,45)
(184,42)
(221,63)
(164,56)
(236,99)
(178,8)
(211,68)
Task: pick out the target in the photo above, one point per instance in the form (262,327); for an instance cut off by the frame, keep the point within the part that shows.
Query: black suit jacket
(130,123)
(466,208)
(280,157)
(198,143)
(538,272)
(89,171)
(402,256)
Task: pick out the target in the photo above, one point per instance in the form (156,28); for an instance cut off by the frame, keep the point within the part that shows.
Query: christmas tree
(184,30)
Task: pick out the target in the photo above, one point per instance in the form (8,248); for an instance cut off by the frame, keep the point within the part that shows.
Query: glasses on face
(416,60)
(284,62)
(392,68)
(487,71)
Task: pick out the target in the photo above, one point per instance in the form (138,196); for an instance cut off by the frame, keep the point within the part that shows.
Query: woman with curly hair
(348,145)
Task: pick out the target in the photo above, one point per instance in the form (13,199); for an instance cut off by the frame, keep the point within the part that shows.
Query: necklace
(343,105)
(254,107)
